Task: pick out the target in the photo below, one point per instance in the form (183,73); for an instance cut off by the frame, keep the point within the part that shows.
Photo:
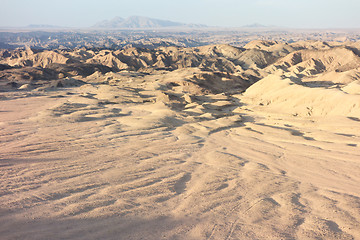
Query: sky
(222,13)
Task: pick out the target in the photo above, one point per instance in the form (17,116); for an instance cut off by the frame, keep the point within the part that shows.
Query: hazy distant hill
(42,26)
(255,25)
(110,23)
(141,22)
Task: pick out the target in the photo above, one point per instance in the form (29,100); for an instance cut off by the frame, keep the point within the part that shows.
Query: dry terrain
(211,142)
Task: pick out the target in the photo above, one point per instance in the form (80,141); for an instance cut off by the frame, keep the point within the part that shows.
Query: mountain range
(142,22)
(138,22)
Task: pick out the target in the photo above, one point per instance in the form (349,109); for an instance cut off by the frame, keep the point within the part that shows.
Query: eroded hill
(327,66)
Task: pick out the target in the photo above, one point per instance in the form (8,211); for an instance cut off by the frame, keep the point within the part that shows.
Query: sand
(120,159)
(72,169)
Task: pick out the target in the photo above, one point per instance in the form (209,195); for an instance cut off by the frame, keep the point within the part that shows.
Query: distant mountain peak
(141,22)
(255,25)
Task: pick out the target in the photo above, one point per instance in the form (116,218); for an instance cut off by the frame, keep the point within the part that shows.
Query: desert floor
(75,164)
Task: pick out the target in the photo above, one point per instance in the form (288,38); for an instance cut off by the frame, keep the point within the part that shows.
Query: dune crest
(294,97)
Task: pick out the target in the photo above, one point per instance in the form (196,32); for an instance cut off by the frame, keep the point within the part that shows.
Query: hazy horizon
(228,13)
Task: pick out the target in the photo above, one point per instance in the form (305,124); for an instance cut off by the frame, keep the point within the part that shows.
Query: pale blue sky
(230,13)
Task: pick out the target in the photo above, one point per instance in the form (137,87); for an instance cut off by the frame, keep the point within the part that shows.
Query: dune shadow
(116,227)
(354,119)
(293,132)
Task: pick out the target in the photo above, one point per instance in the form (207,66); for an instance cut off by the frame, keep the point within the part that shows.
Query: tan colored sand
(76,164)
(185,154)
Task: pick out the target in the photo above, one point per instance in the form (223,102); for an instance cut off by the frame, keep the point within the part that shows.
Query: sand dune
(290,96)
(213,142)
